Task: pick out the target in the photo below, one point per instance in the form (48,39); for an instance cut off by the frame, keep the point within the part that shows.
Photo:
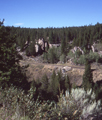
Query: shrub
(78,105)
(71,54)
(81,60)
(78,53)
(75,106)
(63,58)
(93,57)
(98,46)
(75,61)
(52,56)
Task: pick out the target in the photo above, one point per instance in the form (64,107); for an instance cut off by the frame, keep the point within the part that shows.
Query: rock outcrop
(77,48)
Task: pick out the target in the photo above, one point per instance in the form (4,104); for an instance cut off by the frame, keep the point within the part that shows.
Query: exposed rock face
(25,45)
(41,45)
(41,41)
(54,45)
(77,48)
(46,44)
(50,45)
(72,50)
(36,48)
(66,68)
(100,53)
(81,50)
(93,49)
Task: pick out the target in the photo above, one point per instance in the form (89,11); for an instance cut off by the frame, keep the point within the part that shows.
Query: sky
(50,13)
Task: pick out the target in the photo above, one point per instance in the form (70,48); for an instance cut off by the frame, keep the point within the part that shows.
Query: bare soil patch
(37,70)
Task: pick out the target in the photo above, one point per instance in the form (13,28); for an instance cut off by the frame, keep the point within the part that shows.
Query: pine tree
(87,76)
(54,86)
(52,56)
(32,49)
(61,81)
(67,84)
(51,39)
(63,45)
(10,70)
(59,76)
(33,90)
(44,82)
(43,90)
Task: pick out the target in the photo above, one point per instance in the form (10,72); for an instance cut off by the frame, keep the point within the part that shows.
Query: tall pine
(43,90)
(54,86)
(67,84)
(63,45)
(10,70)
(87,76)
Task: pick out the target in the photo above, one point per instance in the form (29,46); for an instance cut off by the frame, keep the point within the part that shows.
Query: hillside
(45,89)
(37,69)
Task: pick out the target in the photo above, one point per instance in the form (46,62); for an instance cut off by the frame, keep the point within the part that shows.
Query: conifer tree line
(81,36)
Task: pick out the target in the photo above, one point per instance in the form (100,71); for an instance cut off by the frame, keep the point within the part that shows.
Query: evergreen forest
(81,36)
(54,97)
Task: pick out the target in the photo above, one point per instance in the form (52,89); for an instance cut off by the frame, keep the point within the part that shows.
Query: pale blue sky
(50,13)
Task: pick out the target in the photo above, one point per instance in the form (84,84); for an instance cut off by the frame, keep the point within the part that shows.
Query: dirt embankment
(37,70)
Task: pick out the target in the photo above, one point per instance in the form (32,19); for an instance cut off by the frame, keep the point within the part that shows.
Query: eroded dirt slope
(37,70)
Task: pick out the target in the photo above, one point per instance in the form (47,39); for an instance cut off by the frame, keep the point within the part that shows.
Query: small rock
(66,68)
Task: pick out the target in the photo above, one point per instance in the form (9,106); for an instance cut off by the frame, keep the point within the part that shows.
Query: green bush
(71,54)
(78,53)
(16,104)
(63,58)
(81,60)
(75,61)
(98,46)
(78,105)
(92,57)
(52,56)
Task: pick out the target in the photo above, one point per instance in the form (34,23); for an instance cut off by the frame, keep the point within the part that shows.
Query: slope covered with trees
(68,37)
(47,98)
(80,36)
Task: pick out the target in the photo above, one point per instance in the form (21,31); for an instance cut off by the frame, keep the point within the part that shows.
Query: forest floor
(37,69)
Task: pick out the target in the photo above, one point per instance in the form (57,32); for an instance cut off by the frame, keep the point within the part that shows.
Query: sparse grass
(43,68)
(40,66)
(98,46)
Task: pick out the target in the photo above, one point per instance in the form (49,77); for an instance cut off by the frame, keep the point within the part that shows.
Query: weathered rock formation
(54,45)
(41,45)
(77,48)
